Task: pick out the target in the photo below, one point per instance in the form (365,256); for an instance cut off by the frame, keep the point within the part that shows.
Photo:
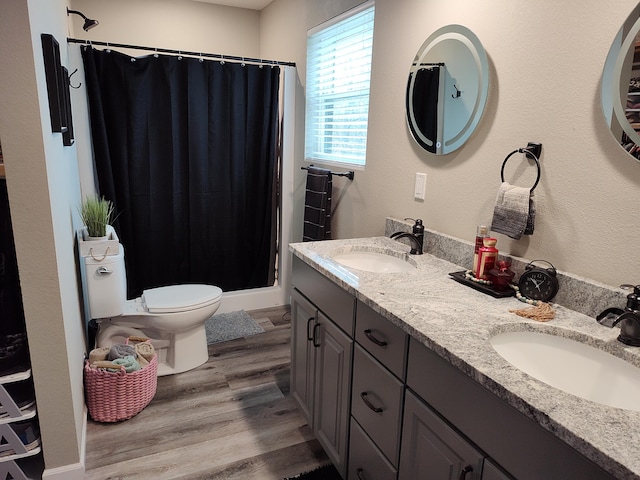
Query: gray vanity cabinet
(322,353)
(405,413)
(432,449)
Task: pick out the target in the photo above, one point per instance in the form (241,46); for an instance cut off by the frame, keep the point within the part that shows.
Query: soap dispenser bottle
(482,232)
(487,257)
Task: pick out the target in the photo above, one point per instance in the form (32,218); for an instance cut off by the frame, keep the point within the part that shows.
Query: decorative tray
(488,289)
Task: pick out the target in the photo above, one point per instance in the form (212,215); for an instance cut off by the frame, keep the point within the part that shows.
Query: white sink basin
(572,367)
(373,262)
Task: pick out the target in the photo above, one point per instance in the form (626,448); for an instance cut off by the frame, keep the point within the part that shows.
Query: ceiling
(250,4)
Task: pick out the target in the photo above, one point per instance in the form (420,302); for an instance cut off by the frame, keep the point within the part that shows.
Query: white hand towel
(512,211)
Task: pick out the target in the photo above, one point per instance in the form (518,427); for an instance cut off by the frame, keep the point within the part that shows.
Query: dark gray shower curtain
(186,150)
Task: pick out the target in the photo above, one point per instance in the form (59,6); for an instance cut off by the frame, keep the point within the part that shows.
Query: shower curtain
(186,149)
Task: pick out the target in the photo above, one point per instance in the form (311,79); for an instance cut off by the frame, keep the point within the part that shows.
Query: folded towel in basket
(145,352)
(129,363)
(514,211)
(98,354)
(120,350)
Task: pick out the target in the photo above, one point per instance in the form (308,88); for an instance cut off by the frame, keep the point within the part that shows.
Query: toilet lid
(180,298)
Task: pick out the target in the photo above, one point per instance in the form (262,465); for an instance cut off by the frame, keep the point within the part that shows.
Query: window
(338,77)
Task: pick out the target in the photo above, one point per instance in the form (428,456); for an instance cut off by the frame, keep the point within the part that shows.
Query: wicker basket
(116,396)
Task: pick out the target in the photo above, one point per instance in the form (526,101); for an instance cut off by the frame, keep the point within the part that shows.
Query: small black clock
(538,283)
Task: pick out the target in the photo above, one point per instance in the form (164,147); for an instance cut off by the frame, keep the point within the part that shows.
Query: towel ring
(529,154)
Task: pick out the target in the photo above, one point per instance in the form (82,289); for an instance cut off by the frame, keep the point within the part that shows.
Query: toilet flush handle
(103,271)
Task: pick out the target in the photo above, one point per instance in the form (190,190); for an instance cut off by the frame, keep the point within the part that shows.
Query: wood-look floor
(232,418)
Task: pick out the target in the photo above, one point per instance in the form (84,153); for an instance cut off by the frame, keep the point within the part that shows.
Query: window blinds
(338,77)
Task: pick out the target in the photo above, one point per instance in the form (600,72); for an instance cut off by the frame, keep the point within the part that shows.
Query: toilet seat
(180,298)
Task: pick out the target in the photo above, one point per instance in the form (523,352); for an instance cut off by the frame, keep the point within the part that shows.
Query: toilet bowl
(173,317)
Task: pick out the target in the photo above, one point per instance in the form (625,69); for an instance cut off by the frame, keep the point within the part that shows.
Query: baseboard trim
(74,471)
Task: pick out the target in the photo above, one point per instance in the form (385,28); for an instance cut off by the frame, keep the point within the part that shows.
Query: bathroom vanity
(397,377)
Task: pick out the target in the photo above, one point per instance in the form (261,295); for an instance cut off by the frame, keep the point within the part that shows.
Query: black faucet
(629,318)
(416,238)
(630,328)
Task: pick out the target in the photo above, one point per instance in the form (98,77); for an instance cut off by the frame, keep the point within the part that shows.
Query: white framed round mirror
(620,86)
(447,89)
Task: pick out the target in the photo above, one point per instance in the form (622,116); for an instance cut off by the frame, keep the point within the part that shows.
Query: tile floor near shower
(231,418)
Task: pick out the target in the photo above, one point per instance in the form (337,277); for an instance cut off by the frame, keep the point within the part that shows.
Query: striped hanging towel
(317,205)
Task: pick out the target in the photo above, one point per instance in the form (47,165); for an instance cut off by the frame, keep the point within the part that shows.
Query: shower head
(88,22)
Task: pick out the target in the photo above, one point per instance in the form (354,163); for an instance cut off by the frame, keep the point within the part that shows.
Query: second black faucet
(416,238)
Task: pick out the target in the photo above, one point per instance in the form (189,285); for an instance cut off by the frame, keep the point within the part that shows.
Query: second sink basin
(573,367)
(377,262)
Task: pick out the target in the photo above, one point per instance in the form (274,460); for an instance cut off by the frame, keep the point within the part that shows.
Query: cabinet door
(332,390)
(491,472)
(431,450)
(303,319)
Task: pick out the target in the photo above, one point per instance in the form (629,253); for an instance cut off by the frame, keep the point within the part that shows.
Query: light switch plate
(420,186)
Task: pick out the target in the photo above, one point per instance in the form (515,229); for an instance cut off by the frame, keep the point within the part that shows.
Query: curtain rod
(182,52)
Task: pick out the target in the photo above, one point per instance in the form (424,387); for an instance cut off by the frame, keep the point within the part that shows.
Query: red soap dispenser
(487,256)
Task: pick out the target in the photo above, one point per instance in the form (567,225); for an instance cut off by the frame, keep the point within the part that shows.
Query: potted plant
(96,214)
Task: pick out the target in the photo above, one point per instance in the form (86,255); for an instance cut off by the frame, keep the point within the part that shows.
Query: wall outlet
(420,186)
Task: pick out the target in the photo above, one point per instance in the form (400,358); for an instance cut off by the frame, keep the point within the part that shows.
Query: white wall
(42,179)
(546,60)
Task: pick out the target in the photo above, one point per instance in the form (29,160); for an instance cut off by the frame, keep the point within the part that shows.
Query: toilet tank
(106,285)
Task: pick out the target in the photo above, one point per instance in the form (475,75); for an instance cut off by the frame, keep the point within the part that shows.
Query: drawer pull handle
(315,335)
(371,336)
(464,471)
(366,401)
(360,474)
(309,336)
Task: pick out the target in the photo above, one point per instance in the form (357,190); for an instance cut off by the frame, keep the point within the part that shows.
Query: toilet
(173,317)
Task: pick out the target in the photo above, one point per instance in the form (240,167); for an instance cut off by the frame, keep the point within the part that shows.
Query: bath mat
(327,472)
(229,326)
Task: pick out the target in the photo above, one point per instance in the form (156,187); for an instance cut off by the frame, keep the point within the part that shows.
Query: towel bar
(350,174)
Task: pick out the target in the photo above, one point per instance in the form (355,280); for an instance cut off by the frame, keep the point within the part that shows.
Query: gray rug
(230,326)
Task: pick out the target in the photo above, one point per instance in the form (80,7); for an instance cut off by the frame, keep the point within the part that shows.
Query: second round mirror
(447,89)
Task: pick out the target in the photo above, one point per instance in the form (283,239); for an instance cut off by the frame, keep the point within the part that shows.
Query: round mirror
(447,89)
(620,93)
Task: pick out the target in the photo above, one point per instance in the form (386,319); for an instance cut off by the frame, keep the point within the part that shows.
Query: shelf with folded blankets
(19,431)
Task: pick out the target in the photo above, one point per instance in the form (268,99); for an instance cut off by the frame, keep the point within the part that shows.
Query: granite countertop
(456,322)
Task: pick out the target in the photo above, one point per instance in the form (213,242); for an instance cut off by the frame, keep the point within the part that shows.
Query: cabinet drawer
(382,339)
(366,462)
(335,302)
(376,402)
